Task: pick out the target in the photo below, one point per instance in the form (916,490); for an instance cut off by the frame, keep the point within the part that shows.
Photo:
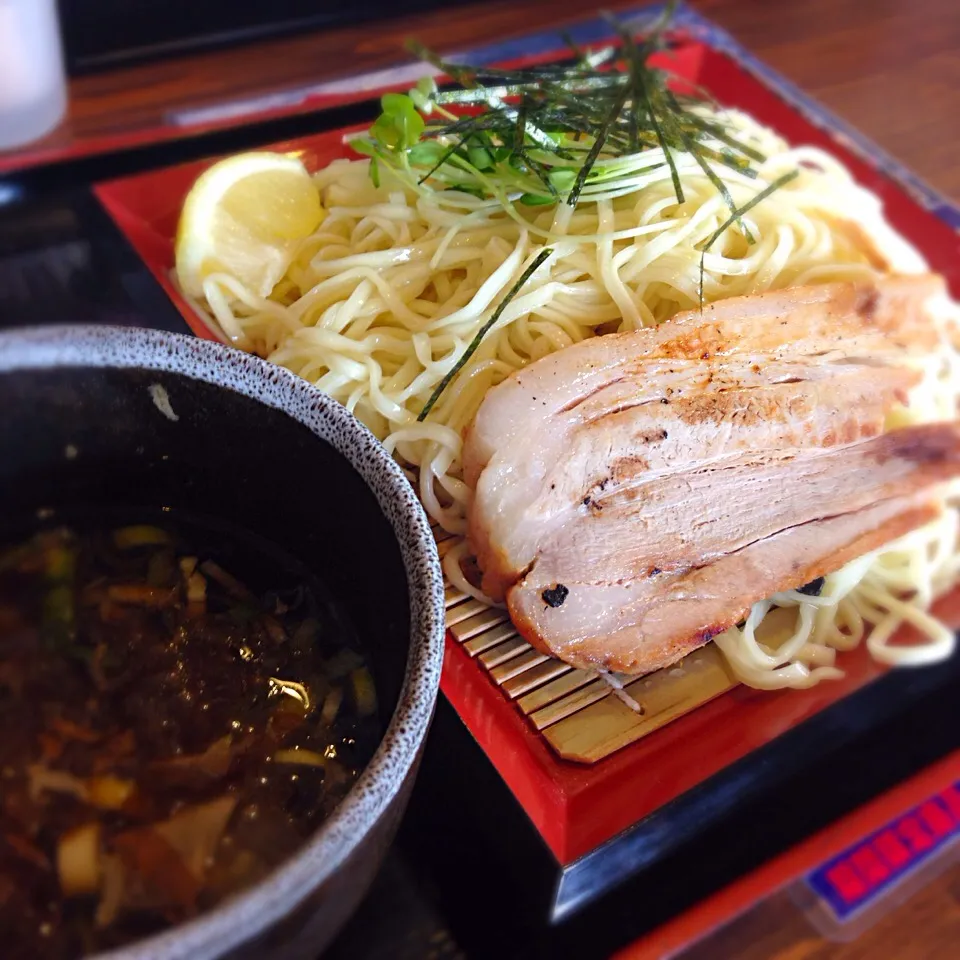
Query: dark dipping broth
(179,711)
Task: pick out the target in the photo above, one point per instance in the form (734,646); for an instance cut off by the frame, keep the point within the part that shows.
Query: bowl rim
(253,911)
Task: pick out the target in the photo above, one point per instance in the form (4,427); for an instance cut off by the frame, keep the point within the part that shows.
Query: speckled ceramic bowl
(122,417)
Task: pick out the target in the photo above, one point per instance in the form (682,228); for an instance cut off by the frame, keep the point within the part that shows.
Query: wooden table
(925,927)
(891,67)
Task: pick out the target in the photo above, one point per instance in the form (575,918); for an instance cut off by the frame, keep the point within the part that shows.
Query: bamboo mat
(583,715)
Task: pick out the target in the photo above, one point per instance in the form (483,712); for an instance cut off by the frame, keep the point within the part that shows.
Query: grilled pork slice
(623,484)
(679,559)
(680,520)
(888,318)
(638,626)
(528,493)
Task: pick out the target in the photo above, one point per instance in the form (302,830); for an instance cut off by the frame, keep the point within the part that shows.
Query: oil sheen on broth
(177,718)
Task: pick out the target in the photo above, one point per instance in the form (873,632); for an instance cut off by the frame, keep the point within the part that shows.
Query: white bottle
(33,89)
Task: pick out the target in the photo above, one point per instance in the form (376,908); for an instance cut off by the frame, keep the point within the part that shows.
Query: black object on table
(63,261)
(100,34)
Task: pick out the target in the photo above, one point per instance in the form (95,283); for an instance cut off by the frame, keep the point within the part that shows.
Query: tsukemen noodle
(177,718)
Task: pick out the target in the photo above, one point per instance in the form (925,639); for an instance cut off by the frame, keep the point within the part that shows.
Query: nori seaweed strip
(572,46)
(483,331)
(445,157)
(720,186)
(598,143)
(520,126)
(479,94)
(719,133)
(540,172)
(640,74)
(674,173)
(693,148)
(729,159)
(746,208)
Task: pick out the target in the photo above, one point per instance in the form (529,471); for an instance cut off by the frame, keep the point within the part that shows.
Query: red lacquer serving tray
(575,808)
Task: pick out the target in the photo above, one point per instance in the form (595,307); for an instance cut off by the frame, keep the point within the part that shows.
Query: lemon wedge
(244,217)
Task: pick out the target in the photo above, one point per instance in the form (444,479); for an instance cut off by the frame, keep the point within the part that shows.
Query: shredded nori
(735,216)
(472,346)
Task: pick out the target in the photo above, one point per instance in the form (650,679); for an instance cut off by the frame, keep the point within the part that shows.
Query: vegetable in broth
(171,733)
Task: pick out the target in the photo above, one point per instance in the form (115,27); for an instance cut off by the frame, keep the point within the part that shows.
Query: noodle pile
(382,300)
